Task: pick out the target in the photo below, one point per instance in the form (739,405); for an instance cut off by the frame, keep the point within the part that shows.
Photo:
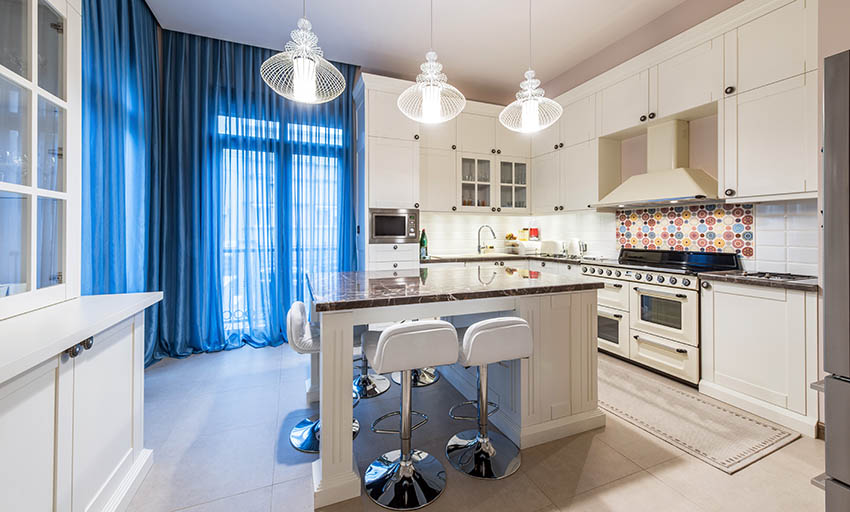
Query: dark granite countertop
(741,277)
(334,291)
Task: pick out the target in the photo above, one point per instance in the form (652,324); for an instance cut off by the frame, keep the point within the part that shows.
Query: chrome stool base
(371,385)
(421,377)
(305,436)
(491,458)
(398,485)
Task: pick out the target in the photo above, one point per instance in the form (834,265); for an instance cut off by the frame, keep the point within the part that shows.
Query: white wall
(786,238)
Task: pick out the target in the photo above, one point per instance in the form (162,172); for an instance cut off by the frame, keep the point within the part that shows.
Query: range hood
(668,178)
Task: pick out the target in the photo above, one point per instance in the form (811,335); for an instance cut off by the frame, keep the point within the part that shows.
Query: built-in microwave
(393,226)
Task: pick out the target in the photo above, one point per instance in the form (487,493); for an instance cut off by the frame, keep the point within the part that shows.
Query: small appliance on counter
(534,233)
(528,248)
(574,247)
(551,247)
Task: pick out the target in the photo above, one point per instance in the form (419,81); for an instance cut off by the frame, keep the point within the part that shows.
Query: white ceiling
(483,44)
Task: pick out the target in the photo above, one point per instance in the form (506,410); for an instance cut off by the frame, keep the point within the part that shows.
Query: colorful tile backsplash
(707,228)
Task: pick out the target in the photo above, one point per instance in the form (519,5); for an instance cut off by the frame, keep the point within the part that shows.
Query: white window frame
(71,230)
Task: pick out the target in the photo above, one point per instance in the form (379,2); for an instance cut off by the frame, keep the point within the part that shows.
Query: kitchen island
(549,396)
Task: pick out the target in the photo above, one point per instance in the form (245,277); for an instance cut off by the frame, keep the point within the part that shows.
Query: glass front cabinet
(494,184)
(40,153)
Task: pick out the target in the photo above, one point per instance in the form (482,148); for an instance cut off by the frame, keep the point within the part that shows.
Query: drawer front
(614,295)
(668,356)
(393,252)
(394,265)
(612,328)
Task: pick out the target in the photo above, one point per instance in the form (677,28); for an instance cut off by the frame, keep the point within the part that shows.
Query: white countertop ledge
(29,339)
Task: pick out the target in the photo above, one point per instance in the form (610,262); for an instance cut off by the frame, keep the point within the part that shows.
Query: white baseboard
(131,482)
(798,422)
(345,487)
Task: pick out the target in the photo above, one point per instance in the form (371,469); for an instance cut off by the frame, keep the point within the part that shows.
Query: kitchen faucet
(479,235)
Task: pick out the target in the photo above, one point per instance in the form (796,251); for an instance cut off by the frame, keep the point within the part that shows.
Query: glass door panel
(506,197)
(520,200)
(51,50)
(665,312)
(483,170)
(14,36)
(14,132)
(14,249)
(467,169)
(467,194)
(520,174)
(506,173)
(51,142)
(608,329)
(50,264)
(483,195)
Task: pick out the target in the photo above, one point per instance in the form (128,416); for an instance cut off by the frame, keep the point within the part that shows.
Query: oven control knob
(618,273)
(608,272)
(637,276)
(686,282)
(584,269)
(592,270)
(660,279)
(673,280)
(649,277)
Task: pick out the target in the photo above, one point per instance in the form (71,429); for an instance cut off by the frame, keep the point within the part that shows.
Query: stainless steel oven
(666,312)
(393,226)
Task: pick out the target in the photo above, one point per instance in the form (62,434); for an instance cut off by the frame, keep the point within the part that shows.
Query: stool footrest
(377,430)
(490,412)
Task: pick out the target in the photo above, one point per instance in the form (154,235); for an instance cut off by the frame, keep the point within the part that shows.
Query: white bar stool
(480,453)
(304,338)
(367,385)
(407,479)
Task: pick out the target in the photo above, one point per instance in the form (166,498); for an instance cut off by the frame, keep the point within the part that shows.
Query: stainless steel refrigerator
(836,281)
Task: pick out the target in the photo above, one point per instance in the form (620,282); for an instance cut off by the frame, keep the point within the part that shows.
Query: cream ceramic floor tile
(258,500)
(570,466)
(640,447)
(640,492)
(293,496)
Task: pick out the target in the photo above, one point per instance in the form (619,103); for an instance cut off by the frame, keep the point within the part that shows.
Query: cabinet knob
(729,90)
(556,146)
(706,285)
(589,206)
(561,207)
(542,263)
(501,263)
(75,350)
(454,208)
(493,209)
(560,144)
(454,146)
(493,150)
(498,151)
(416,205)
(556,208)
(416,137)
(499,209)
(395,247)
(395,265)
(642,118)
(652,115)
(730,192)
(88,343)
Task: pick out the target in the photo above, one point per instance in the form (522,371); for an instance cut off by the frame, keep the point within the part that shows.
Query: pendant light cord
(431,28)
(529,34)
(304,8)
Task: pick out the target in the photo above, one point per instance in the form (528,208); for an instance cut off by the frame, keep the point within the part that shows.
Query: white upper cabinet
(438,180)
(439,136)
(513,181)
(578,122)
(476,182)
(477,133)
(393,173)
(546,141)
(690,79)
(778,45)
(623,104)
(770,139)
(384,119)
(546,184)
(511,143)
(580,175)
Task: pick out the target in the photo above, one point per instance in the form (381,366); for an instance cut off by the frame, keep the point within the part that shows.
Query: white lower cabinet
(71,428)
(393,256)
(760,351)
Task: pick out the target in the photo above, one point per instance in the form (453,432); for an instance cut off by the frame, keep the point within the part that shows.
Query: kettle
(574,247)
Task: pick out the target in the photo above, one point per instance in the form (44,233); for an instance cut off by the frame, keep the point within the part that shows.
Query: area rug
(718,434)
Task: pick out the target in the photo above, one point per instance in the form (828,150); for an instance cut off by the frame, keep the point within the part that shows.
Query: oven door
(612,331)
(615,294)
(667,312)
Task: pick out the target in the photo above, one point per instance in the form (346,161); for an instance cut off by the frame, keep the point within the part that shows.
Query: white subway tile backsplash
(803,269)
(770,222)
(769,237)
(803,255)
(771,253)
(787,237)
(771,266)
(802,238)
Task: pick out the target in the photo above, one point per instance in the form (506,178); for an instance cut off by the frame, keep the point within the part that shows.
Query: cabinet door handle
(618,316)
(493,151)
(556,208)
(730,192)
(416,205)
(660,345)
(556,146)
(395,265)
(642,118)
(416,137)
(652,115)
(88,343)
(498,151)
(499,209)
(729,90)
(75,350)
(493,209)
(542,263)
(706,285)
(454,146)
(561,207)
(454,208)
(661,294)
(395,247)
(617,285)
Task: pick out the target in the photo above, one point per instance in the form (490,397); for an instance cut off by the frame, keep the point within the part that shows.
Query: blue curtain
(121,154)
(255,192)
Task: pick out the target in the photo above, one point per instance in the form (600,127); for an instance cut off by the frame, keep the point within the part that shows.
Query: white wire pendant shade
(431,99)
(300,73)
(531,111)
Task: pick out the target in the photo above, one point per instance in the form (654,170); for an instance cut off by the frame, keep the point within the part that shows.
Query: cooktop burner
(778,276)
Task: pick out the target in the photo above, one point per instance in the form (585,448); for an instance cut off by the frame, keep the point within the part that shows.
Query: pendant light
(300,73)
(531,111)
(431,99)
